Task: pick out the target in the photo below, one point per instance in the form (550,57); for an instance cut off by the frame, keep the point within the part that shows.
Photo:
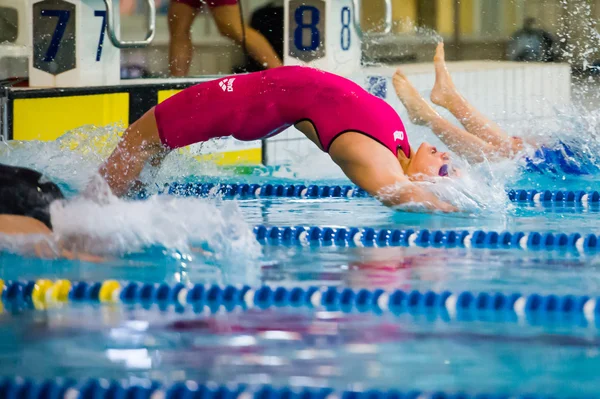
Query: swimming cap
(25,192)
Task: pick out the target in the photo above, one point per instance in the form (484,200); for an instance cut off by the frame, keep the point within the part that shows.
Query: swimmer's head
(426,162)
(25,192)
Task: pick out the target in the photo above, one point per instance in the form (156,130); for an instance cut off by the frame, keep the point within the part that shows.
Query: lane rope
(365,237)
(242,190)
(465,305)
(147,389)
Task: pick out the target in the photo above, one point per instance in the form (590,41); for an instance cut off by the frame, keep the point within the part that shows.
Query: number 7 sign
(54,44)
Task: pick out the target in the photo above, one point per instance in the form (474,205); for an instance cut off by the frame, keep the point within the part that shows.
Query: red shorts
(210,3)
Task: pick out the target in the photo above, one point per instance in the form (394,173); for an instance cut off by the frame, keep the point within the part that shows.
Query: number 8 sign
(322,34)
(306,38)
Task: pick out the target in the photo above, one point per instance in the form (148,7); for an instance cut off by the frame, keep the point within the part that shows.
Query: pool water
(304,348)
(158,240)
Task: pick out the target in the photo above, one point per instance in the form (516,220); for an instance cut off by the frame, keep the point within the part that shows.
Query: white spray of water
(578,34)
(189,230)
(75,157)
(33,245)
(104,225)
(108,225)
(402,48)
(479,189)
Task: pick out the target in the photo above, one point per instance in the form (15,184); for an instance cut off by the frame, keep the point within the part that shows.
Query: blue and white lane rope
(354,236)
(264,190)
(62,388)
(242,190)
(579,197)
(45,294)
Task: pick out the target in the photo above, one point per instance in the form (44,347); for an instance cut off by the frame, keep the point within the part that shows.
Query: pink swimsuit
(259,105)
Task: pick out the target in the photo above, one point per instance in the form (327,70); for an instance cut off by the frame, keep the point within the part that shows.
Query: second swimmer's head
(25,192)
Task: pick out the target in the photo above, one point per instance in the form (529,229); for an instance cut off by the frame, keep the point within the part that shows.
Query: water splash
(100,226)
(74,158)
(578,34)
(401,45)
(479,190)
(579,45)
(108,225)
(572,132)
(189,230)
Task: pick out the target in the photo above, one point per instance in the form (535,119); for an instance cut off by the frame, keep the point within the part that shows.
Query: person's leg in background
(229,22)
(181,17)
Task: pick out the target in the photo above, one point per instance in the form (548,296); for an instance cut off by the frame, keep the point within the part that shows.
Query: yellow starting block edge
(45,114)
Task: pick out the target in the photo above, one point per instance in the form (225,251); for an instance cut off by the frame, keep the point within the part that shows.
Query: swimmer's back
(336,105)
(259,105)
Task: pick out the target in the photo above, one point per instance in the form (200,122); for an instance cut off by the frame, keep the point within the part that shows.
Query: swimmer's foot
(419,111)
(444,92)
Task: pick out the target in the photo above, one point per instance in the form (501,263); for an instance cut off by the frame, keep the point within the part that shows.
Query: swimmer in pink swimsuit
(226,14)
(363,134)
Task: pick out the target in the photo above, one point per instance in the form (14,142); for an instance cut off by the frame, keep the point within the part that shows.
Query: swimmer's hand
(410,193)
(136,188)
(448,208)
(203,252)
(82,257)
(44,250)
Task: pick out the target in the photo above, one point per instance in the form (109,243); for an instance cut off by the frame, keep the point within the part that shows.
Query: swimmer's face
(428,162)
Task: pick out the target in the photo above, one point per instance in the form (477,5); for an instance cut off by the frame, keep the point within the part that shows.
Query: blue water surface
(319,348)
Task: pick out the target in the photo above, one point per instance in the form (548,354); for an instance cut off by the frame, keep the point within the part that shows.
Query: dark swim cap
(25,192)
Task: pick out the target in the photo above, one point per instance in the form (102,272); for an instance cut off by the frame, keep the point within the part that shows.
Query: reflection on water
(300,348)
(434,269)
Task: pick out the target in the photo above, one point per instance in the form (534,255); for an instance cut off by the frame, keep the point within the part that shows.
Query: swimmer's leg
(421,113)
(140,144)
(181,17)
(229,22)
(446,95)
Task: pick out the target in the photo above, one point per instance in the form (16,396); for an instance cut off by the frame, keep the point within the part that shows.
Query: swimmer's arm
(24,225)
(392,187)
(16,225)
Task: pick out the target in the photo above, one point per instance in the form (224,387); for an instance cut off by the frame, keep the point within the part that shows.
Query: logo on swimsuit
(398,135)
(227,84)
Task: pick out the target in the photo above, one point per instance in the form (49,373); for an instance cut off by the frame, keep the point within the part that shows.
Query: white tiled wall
(509,93)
